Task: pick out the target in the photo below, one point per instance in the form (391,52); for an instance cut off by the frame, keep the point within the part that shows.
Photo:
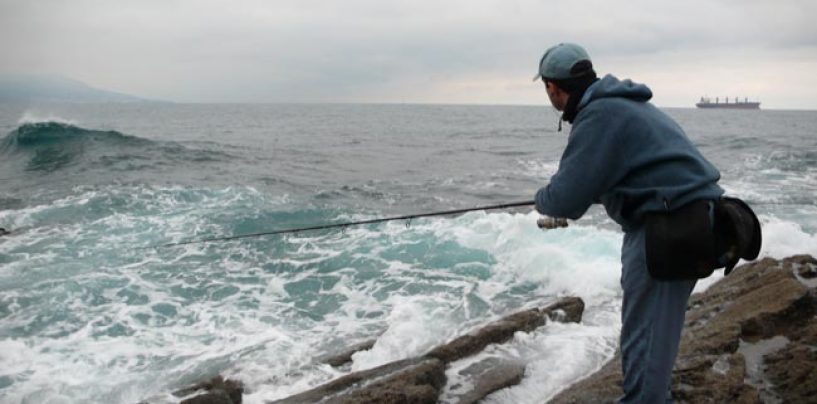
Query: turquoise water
(89,312)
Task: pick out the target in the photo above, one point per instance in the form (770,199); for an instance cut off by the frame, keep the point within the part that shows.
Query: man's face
(556,95)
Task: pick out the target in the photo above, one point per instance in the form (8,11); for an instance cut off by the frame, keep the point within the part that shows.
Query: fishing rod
(347,224)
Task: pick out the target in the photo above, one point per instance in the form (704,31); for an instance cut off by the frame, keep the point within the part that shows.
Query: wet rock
(806,271)
(749,338)
(566,310)
(214,391)
(486,376)
(793,373)
(213,397)
(417,380)
(346,356)
(4,232)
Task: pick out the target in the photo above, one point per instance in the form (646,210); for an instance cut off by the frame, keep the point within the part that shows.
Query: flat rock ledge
(750,338)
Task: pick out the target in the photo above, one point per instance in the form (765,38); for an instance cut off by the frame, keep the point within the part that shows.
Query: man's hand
(547,223)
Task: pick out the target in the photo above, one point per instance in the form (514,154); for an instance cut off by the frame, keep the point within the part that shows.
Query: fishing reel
(548,223)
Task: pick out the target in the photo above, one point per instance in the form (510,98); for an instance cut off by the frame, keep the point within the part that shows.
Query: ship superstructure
(736,103)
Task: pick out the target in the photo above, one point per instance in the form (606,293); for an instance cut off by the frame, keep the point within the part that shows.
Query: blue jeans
(652,317)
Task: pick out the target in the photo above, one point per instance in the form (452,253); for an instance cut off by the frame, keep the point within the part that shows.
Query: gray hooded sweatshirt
(626,154)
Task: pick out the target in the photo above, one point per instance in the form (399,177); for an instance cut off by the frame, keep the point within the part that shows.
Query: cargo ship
(736,103)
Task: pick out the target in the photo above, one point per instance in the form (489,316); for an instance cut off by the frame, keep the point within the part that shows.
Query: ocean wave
(54,145)
(51,146)
(39,134)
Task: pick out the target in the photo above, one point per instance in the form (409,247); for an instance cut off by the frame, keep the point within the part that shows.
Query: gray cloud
(413,51)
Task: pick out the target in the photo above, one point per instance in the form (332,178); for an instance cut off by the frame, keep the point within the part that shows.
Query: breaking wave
(41,134)
(53,145)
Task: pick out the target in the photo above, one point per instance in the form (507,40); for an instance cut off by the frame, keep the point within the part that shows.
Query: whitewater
(90,312)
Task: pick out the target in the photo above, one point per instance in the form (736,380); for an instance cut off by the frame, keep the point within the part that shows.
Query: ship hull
(739,105)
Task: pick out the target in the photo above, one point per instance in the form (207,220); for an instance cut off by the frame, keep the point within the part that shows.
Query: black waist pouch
(694,240)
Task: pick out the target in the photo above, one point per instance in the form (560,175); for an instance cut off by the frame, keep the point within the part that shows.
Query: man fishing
(626,154)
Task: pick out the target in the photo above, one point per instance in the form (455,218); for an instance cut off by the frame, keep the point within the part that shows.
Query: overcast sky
(474,51)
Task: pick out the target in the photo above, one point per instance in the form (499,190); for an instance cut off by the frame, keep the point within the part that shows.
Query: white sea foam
(415,325)
(580,261)
(784,238)
(32,116)
(556,356)
(540,169)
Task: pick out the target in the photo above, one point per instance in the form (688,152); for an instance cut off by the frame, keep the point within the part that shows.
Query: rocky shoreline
(750,338)
(414,380)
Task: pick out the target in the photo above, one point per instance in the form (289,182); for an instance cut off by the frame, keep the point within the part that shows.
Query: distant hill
(30,88)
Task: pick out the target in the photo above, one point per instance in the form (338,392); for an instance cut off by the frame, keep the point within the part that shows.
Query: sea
(95,308)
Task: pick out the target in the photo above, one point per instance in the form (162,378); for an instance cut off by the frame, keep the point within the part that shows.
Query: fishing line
(343,226)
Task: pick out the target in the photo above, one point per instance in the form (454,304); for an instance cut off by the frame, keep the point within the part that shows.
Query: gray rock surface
(751,337)
(345,356)
(486,376)
(417,380)
(566,310)
(214,391)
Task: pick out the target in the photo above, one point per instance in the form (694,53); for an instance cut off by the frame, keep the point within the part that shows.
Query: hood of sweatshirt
(609,87)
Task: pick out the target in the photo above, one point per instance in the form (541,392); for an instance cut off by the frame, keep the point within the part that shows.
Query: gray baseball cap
(564,61)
